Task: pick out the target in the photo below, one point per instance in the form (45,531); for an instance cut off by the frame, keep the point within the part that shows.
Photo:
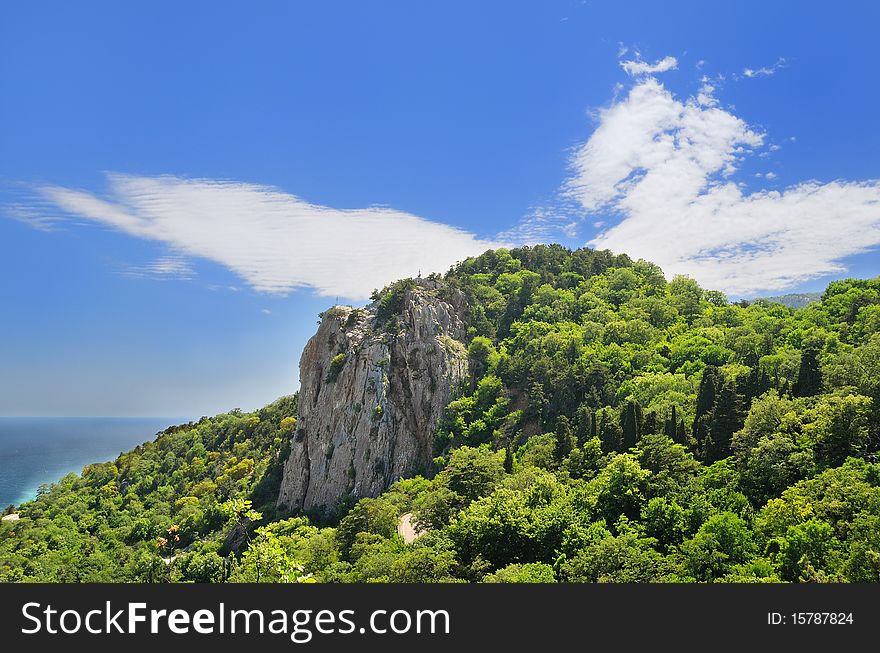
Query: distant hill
(796,300)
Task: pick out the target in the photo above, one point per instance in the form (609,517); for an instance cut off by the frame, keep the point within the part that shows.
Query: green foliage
(187,496)
(472,473)
(722,542)
(809,378)
(336,365)
(369,516)
(390,300)
(626,558)
(620,489)
(631,423)
(585,460)
(533,572)
(562,441)
(267,561)
(482,353)
(523,522)
(615,427)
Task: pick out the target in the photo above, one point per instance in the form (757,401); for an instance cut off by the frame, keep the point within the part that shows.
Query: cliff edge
(373,383)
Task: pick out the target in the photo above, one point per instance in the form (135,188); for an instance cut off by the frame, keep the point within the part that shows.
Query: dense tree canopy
(617,427)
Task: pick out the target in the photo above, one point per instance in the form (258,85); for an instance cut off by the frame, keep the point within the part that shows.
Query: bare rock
(372,388)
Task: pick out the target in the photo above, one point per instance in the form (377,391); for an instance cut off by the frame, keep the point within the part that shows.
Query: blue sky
(184,186)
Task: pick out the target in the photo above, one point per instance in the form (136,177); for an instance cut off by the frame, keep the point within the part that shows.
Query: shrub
(336,365)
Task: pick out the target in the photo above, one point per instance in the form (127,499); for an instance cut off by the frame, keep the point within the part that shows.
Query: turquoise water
(37,450)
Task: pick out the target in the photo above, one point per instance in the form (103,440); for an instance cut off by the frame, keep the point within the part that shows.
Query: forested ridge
(615,427)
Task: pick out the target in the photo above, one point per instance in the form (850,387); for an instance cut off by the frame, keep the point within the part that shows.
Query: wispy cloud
(21,205)
(163,268)
(543,224)
(638,67)
(32,217)
(764,71)
(274,240)
(663,168)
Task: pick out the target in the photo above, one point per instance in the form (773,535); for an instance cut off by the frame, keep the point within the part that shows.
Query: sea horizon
(37,450)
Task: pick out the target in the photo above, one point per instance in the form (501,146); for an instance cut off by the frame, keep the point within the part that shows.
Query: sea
(37,450)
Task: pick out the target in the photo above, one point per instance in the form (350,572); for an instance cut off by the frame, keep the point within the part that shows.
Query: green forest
(616,427)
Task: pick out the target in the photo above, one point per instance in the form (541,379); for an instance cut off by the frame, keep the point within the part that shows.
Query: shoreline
(37,451)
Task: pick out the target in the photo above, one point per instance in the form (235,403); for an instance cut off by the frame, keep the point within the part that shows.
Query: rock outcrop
(373,384)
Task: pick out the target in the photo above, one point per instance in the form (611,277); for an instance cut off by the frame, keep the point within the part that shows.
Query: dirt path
(407,529)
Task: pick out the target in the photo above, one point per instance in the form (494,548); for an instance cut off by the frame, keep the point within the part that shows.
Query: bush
(336,365)
(532,572)
(390,299)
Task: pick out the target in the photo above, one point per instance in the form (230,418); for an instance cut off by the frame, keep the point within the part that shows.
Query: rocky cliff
(373,383)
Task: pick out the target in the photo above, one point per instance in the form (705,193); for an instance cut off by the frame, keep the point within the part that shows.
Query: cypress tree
(707,392)
(631,423)
(809,378)
(650,425)
(609,430)
(726,419)
(707,395)
(752,385)
(537,407)
(701,430)
(640,420)
(508,459)
(681,433)
(563,439)
(671,423)
(764,383)
(583,424)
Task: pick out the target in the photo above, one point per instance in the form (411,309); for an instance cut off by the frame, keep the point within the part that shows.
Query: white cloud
(639,67)
(20,205)
(663,166)
(164,267)
(705,95)
(651,144)
(542,224)
(32,217)
(764,71)
(275,241)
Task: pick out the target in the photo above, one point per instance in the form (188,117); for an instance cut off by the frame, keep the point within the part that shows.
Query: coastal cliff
(373,383)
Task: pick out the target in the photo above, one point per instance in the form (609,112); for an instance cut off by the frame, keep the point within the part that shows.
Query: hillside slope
(613,426)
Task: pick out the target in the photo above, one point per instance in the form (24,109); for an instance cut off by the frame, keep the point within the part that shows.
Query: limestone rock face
(372,388)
